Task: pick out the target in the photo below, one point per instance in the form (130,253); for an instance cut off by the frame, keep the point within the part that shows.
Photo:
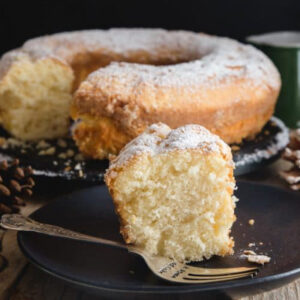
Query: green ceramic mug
(284,50)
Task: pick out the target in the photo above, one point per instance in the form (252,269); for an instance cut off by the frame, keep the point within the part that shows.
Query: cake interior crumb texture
(35,99)
(177,204)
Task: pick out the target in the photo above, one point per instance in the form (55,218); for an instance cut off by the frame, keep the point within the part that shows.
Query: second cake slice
(173,192)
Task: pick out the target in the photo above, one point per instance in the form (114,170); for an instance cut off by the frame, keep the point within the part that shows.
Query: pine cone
(292,154)
(15,185)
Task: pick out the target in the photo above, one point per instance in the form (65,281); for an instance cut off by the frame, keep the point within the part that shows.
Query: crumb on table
(62,155)
(251,222)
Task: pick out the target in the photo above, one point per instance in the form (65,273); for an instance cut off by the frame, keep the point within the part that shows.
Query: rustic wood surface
(22,281)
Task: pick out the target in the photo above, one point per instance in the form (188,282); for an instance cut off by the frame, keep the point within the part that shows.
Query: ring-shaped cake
(142,76)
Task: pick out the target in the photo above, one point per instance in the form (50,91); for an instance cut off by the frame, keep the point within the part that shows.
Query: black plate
(248,156)
(263,150)
(54,166)
(115,272)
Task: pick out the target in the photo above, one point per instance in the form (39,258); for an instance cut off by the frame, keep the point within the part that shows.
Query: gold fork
(163,267)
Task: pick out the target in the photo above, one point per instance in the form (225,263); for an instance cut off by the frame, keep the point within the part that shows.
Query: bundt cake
(225,86)
(177,77)
(173,192)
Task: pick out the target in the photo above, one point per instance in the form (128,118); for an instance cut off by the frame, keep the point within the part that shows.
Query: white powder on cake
(212,60)
(159,138)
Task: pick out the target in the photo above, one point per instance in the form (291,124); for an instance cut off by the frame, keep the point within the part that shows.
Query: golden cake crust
(43,73)
(228,87)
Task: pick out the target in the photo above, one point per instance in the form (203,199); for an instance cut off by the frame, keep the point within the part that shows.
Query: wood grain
(287,292)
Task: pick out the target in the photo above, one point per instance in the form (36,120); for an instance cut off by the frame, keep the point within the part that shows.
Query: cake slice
(173,192)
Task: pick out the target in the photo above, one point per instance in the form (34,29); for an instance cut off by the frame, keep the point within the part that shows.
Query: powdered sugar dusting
(159,138)
(192,137)
(213,60)
(219,67)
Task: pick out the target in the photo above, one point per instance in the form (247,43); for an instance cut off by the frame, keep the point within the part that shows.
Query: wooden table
(22,281)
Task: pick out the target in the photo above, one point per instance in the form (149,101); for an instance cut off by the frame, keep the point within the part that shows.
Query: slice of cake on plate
(173,192)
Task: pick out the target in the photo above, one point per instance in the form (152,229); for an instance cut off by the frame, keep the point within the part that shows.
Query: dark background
(20,20)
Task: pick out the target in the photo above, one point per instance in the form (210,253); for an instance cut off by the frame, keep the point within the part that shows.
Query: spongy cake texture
(173,192)
(35,98)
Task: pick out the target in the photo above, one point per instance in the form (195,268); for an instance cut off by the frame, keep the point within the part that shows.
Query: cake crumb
(259,259)
(256,258)
(62,143)
(67,163)
(49,151)
(12,143)
(70,153)
(62,155)
(251,222)
(42,145)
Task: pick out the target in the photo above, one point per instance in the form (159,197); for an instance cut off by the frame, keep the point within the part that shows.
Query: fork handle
(22,223)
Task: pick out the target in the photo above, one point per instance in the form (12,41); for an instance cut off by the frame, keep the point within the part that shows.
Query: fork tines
(183,273)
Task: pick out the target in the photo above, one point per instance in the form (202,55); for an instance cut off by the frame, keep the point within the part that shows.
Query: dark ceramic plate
(248,156)
(53,165)
(267,146)
(115,273)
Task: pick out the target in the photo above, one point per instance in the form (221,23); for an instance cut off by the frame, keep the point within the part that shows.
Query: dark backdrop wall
(21,20)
